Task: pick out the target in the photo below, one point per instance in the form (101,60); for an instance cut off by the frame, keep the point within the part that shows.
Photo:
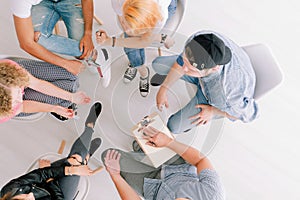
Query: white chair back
(267,70)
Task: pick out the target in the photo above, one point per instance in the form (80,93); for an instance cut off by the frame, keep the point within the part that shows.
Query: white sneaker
(102,65)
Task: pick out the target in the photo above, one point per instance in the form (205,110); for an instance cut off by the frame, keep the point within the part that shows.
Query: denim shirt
(182,181)
(231,89)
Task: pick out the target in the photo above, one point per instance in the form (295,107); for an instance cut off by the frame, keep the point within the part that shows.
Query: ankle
(91,125)
(144,72)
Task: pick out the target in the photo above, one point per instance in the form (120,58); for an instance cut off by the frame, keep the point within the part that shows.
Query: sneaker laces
(144,85)
(130,71)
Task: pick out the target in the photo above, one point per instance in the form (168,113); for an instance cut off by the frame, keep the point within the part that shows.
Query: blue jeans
(136,57)
(81,146)
(47,13)
(179,121)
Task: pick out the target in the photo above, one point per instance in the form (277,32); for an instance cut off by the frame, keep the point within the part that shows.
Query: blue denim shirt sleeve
(182,181)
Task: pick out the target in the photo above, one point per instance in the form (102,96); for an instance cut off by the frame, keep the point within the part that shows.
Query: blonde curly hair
(11,75)
(141,15)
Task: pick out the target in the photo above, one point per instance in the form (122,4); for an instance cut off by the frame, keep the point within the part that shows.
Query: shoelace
(144,85)
(130,71)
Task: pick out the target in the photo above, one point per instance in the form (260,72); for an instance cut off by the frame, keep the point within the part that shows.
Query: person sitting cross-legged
(190,176)
(223,74)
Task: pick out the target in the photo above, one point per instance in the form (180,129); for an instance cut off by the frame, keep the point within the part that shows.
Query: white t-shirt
(163,4)
(22,8)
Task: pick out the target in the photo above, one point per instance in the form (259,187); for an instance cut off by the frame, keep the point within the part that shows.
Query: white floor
(259,160)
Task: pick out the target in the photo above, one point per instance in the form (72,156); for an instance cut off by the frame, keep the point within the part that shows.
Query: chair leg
(61,147)
(98,20)
(159,51)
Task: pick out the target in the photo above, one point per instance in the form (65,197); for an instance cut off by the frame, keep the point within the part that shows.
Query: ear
(216,68)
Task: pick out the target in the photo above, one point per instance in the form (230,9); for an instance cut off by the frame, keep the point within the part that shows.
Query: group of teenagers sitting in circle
(220,69)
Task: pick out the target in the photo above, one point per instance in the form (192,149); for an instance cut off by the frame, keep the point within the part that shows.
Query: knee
(156,64)
(174,125)
(105,152)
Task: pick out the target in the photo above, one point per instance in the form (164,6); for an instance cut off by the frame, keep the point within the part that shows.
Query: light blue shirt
(232,89)
(182,181)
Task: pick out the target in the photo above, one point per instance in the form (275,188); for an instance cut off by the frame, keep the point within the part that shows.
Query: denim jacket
(231,89)
(35,181)
(182,181)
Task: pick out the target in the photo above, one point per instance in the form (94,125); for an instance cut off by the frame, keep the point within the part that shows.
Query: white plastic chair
(267,70)
(84,182)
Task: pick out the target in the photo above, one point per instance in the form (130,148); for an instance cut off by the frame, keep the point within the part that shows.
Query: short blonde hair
(141,15)
(11,75)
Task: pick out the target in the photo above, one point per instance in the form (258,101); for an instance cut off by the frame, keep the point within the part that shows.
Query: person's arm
(52,90)
(25,34)
(129,42)
(34,106)
(190,154)
(175,73)
(112,163)
(86,44)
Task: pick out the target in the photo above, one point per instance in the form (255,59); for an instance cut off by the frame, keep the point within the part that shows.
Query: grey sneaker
(130,74)
(144,85)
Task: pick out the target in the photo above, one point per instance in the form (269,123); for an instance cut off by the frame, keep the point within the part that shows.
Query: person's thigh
(71,13)
(44,17)
(180,122)
(45,71)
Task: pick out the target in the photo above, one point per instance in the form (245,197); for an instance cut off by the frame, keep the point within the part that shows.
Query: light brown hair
(11,75)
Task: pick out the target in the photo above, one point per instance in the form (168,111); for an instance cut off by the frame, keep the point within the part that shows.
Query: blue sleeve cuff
(179,60)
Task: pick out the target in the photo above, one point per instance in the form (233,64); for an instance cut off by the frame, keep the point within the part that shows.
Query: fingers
(112,155)
(150,131)
(81,47)
(151,144)
(167,104)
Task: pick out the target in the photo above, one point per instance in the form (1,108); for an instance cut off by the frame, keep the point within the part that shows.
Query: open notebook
(154,156)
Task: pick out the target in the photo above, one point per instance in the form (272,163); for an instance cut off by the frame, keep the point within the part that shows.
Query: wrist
(88,33)
(108,41)
(69,171)
(70,97)
(115,176)
(163,38)
(53,108)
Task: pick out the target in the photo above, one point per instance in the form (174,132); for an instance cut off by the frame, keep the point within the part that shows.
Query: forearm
(52,90)
(25,34)
(191,155)
(130,42)
(34,106)
(219,113)
(88,14)
(174,74)
(125,190)
(188,153)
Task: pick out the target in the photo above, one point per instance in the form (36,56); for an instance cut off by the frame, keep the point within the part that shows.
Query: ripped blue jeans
(47,13)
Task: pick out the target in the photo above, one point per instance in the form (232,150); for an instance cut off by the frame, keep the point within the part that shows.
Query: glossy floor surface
(259,160)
